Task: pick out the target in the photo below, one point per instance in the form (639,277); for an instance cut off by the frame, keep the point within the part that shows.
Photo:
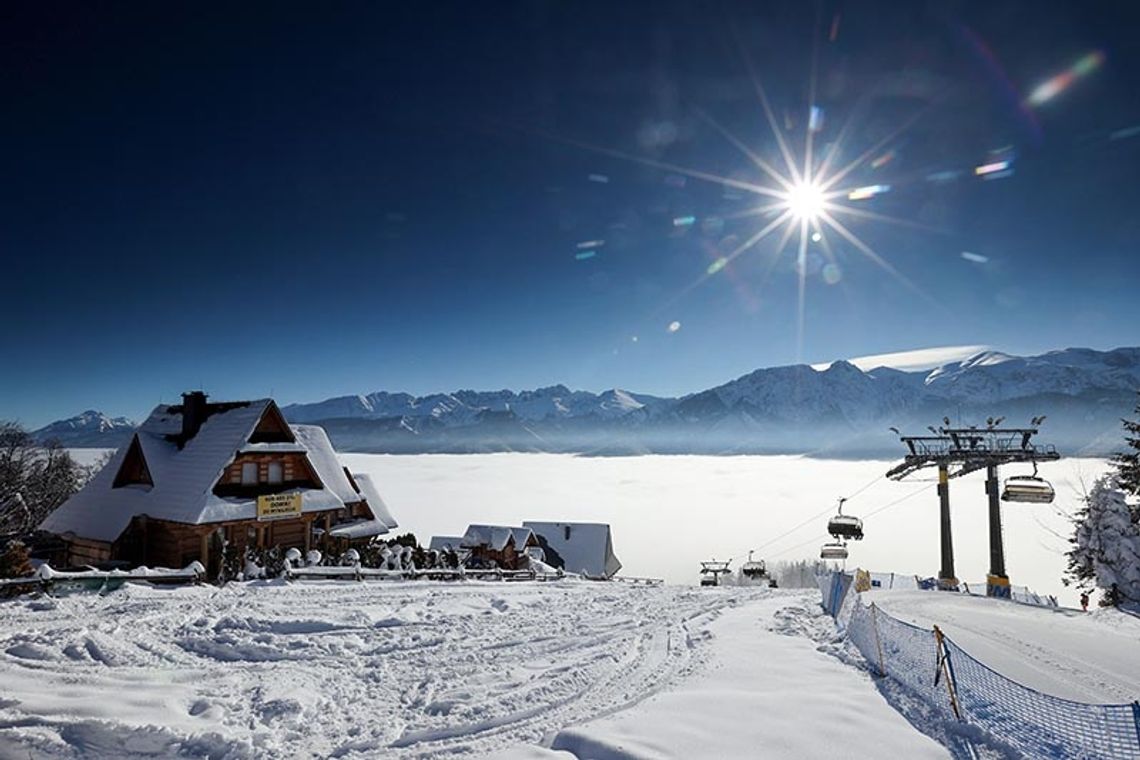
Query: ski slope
(1085,657)
(397,669)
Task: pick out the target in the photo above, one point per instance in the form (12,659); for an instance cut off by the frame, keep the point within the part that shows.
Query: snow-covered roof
(183,479)
(274,448)
(584,547)
(323,457)
(363,528)
(495,537)
(442,543)
(379,509)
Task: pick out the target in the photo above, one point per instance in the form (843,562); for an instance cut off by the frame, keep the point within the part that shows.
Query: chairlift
(845,527)
(1029,489)
(753,569)
(833,551)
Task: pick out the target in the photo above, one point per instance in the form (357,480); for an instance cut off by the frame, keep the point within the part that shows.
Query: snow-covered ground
(519,671)
(425,669)
(670,512)
(1085,657)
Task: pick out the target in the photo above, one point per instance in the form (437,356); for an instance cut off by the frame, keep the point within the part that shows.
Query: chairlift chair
(833,551)
(753,569)
(1028,489)
(845,527)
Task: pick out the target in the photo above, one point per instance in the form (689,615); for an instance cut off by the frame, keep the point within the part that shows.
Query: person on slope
(1085,601)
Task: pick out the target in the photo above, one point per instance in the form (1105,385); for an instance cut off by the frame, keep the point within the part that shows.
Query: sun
(806,201)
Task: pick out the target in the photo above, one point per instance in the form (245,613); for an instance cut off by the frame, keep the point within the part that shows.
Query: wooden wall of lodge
(161,543)
(295,468)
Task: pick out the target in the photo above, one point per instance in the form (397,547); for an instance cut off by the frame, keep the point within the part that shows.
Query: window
(567,528)
(249,474)
(276,472)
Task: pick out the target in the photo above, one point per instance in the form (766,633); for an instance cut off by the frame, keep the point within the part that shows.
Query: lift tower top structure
(958,451)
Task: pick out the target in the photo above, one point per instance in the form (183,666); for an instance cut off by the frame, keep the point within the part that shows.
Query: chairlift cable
(812,540)
(825,536)
(815,517)
(896,502)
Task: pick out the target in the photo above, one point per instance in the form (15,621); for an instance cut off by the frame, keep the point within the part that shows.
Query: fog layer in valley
(670,512)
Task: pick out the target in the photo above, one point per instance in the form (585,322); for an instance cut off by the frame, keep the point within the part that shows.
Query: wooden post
(308,521)
(945,670)
(204,550)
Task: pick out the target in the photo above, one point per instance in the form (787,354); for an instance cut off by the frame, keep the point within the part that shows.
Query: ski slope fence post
(878,641)
(945,670)
(1031,722)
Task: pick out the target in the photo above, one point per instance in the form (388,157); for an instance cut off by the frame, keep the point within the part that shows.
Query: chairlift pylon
(712,570)
(845,527)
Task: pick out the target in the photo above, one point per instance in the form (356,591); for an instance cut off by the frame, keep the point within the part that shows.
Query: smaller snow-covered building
(584,548)
(199,475)
(498,545)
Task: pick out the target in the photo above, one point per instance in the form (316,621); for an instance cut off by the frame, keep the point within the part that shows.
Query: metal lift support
(958,451)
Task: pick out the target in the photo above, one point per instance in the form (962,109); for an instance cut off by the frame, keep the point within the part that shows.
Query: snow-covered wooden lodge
(199,475)
(498,545)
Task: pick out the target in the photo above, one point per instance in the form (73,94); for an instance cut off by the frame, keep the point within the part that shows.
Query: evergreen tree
(1106,544)
(1128,463)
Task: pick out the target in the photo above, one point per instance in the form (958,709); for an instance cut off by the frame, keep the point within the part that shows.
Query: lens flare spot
(832,274)
(816,237)
(684,221)
(815,119)
(717,265)
(1054,86)
(883,160)
(674,326)
(870,191)
(991,168)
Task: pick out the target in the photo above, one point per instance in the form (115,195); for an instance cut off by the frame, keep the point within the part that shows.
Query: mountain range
(839,410)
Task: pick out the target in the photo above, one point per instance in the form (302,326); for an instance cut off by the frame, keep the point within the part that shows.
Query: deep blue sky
(308,202)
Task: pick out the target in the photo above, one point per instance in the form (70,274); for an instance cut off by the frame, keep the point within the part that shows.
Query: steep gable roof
(184,477)
(584,547)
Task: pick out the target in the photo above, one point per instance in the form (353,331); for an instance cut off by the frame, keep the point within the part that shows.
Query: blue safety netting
(1037,724)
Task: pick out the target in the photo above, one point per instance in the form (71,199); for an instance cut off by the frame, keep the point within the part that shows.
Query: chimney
(193,414)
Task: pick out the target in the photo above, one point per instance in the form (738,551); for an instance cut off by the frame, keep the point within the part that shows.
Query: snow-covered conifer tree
(1128,462)
(1106,544)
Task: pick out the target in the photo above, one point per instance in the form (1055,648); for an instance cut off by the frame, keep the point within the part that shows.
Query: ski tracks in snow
(334,669)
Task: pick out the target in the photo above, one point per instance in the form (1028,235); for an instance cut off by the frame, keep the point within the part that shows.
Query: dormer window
(276,473)
(249,474)
(133,471)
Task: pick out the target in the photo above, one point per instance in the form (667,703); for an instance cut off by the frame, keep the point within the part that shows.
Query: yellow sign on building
(278,506)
